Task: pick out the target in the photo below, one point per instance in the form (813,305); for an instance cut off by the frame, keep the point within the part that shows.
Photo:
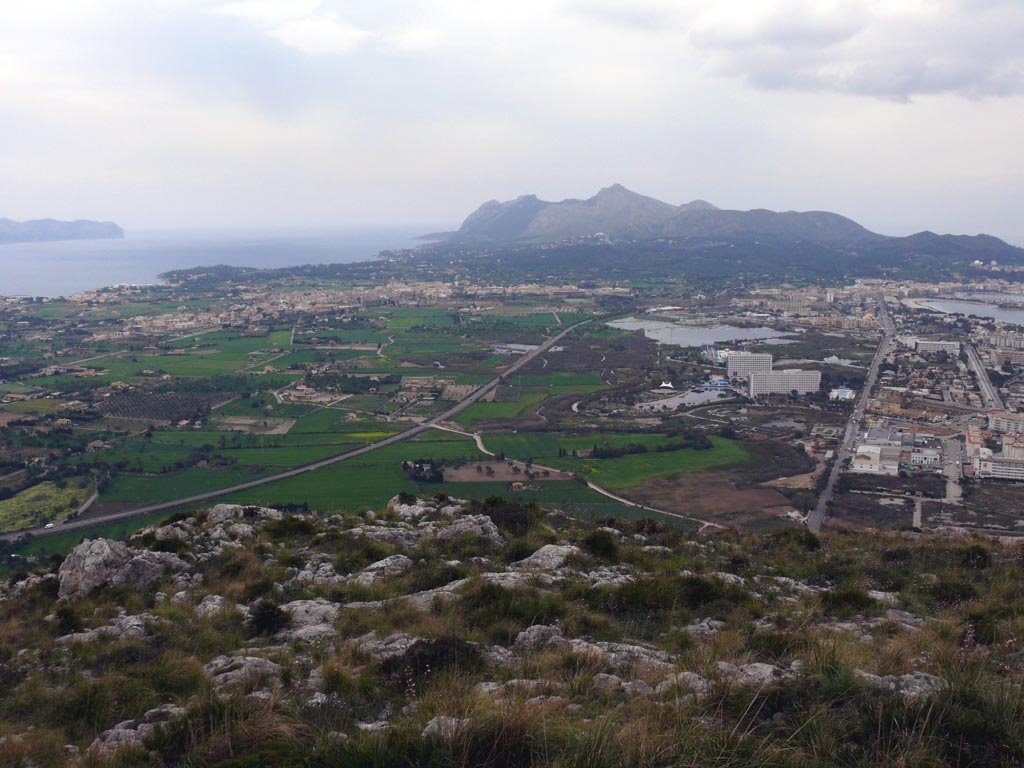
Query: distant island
(48,230)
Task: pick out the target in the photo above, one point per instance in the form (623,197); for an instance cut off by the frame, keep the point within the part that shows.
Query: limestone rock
(445,728)
(689,683)
(133,733)
(229,513)
(319,570)
(122,628)
(548,558)
(912,686)
(212,604)
(537,635)
(311,620)
(756,674)
(382,569)
(605,683)
(391,647)
(242,670)
(471,525)
(704,629)
(102,562)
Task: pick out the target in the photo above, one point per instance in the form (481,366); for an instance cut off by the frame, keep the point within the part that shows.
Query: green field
(41,405)
(569,497)
(528,392)
(141,490)
(621,472)
(365,482)
(500,410)
(43,503)
(64,542)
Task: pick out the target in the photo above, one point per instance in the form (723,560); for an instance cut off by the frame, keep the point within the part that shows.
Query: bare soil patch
(712,496)
(256,426)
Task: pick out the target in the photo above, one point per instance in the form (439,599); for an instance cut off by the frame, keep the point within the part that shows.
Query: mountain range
(621,214)
(45,230)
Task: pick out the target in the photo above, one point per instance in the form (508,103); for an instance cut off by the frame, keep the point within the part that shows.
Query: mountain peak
(619,212)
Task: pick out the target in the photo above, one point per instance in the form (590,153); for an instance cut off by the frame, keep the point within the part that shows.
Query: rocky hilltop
(443,632)
(619,214)
(45,230)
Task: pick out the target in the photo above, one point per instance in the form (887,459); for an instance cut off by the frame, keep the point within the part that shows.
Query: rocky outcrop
(757,674)
(912,686)
(310,620)
(122,628)
(445,728)
(101,563)
(133,733)
(225,671)
(382,569)
(211,605)
(548,558)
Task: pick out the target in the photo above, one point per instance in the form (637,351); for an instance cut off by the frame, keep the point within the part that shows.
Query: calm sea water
(60,269)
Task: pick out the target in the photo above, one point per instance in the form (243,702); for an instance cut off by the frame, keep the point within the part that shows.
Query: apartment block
(926,346)
(784,382)
(742,364)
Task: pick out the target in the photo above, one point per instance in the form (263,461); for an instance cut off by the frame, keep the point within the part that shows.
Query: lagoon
(698,335)
(977,308)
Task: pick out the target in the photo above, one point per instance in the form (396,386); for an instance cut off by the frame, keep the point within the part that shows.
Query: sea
(68,267)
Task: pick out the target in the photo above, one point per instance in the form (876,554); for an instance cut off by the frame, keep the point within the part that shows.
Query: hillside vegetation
(487,633)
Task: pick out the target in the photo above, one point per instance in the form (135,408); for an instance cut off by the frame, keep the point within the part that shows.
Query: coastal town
(877,403)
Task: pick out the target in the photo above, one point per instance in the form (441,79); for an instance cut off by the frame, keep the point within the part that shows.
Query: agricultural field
(621,472)
(40,405)
(366,482)
(523,393)
(43,503)
(570,497)
(141,489)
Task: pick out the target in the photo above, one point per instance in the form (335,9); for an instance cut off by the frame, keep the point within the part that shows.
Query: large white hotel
(739,365)
(784,382)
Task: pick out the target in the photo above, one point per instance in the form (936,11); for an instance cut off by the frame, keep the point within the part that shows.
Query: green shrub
(267,618)
(602,545)
(847,600)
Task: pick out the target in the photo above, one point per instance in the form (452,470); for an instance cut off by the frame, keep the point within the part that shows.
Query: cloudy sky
(904,114)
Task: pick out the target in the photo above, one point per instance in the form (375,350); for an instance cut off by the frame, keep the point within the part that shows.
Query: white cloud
(304,25)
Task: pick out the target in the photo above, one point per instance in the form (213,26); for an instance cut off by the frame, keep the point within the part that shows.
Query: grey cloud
(970,49)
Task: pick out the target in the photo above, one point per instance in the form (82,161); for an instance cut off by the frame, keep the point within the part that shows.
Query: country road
(455,410)
(845,450)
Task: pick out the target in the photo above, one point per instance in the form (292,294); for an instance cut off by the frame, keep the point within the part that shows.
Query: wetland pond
(682,335)
(977,308)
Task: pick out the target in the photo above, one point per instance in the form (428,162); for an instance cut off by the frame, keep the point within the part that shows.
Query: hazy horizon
(312,114)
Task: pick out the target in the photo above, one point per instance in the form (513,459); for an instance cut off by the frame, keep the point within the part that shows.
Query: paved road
(845,451)
(452,412)
(988,391)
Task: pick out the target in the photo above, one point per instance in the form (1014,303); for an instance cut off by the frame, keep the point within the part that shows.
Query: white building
(926,457)
(1013,447)
(1004,421)
(926,346)
(997,468)
(784,382)
(742,364)
(876,460)
(1007,340)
